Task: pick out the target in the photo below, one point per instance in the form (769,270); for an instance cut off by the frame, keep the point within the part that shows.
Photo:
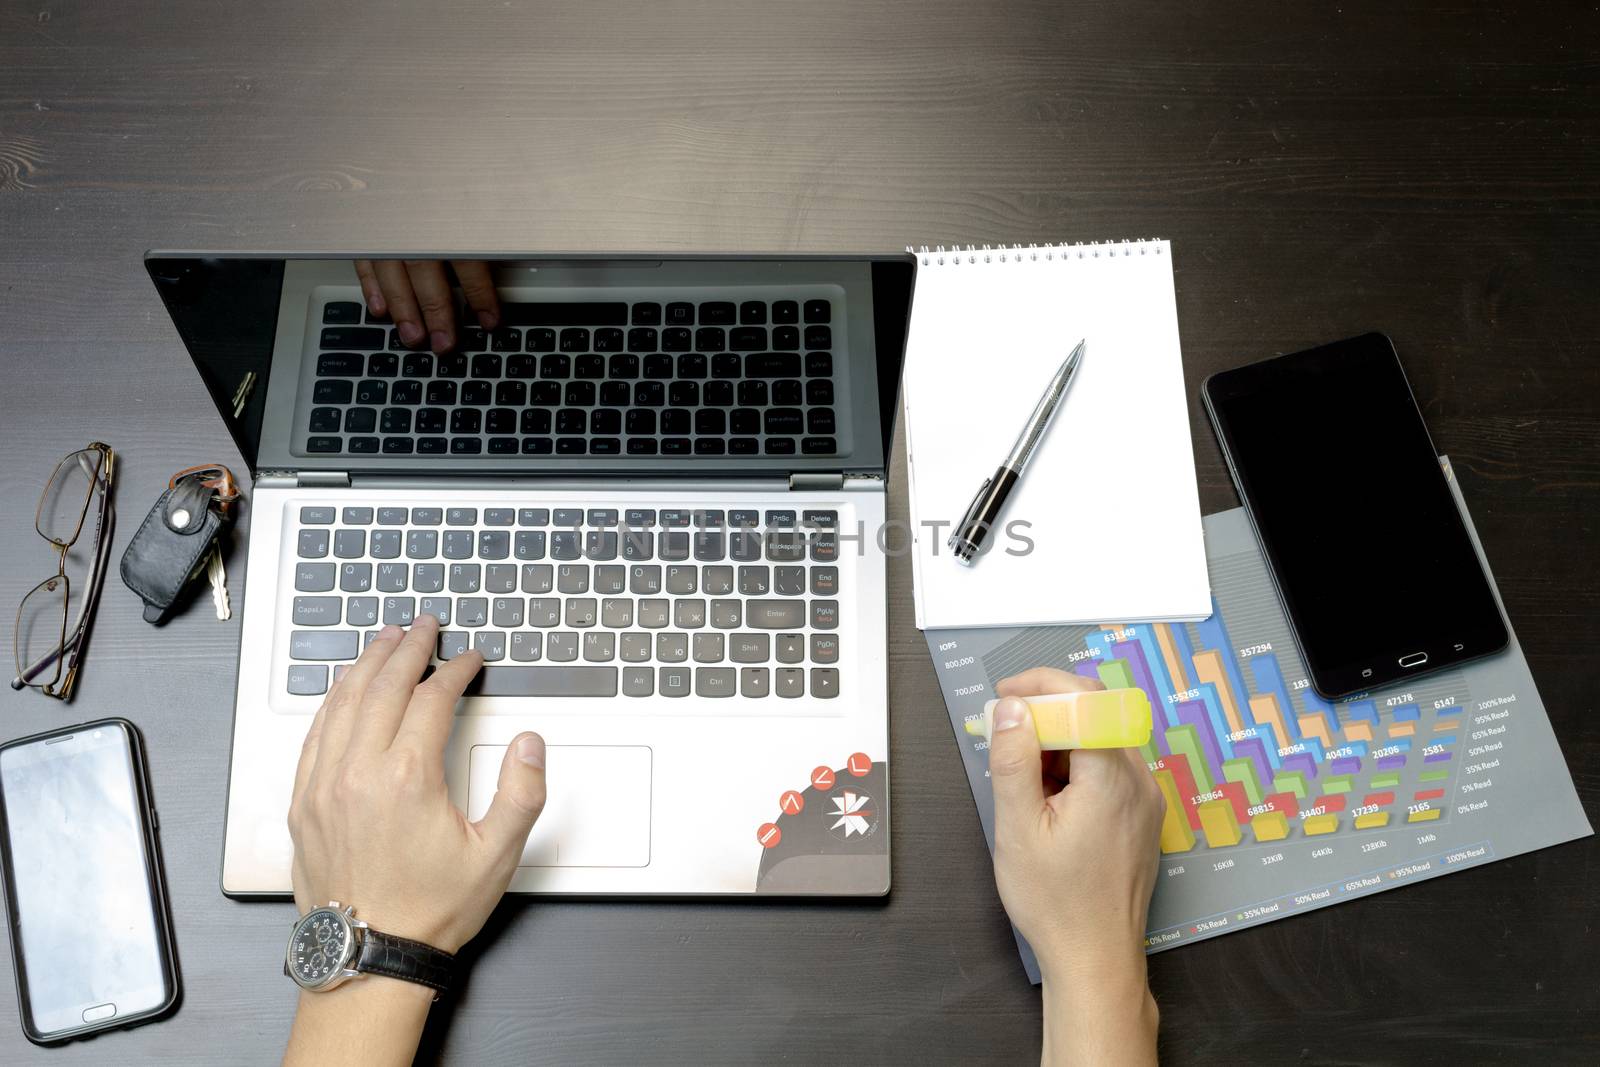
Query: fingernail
(488,320)
(530,750)
(410,333)
(1010,712)
(376,303)
(439,340)
(388,633)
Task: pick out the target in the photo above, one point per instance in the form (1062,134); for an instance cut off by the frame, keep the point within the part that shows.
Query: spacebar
(544,682)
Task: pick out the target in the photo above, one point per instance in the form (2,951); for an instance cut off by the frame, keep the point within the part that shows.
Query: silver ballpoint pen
(990,501)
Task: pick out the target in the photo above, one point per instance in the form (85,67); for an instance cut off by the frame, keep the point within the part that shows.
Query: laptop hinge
(816,480)
(303,479)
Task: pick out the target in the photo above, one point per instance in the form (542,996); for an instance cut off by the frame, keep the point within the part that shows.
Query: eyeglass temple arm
(105,523)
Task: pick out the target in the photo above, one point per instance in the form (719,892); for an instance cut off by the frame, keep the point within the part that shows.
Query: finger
(519,797)
(478,287)
(402,301)
(391,689)
(343,706)
(370,289)
(433,297)
(1041,680)
(1015,769)
(432,711)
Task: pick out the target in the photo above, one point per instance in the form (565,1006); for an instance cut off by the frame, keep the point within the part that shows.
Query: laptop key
(361,611)
(753,313)
(653,613)
(790,681)
(599,646)
(399,610)
(824,648)
(392,577)
(716,581)
(754,682)
(427,577)
(529,544)
(494,544)
(308,680)
(673,545)
(355,577)
(634,647)
(616,612)
(317,610)
(824,614)
(314,577)
(427,516)
(544,611)
(824,581)
(324,420)
(754,581)
(526,645)
(491,644)
(313,544)
(689,614)
(708,647)
(715,681)
(710,546)
(683,581)
(332,391)
(672,647)
(324,644)
(437,606)
(638,681)
(385,544)
(565,545)
(317,516)
(537,577)
(824,682)
(644,579)
(786,546)
(789,581)
(465,577)
(324,444)
(674,681)
(749,648)
(340,365)
(461,516)
(500,577)
(572,578)
(785,312)
(717,313)
(776,614)
(561,646)
(533,516)
(341,312)
(507,612)
(472,611)
(610,579)
(422,544)
(458,544)
(582,612)
(726,614)
(786,338)
(453,643)
(791,648)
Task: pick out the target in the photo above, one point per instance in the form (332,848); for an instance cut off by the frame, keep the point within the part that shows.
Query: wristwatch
(329,946)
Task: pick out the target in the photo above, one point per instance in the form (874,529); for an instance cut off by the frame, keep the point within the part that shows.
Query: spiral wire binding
(955,255)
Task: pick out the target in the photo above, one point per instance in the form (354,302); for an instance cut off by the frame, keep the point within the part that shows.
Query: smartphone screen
(1370,555)
(87,928)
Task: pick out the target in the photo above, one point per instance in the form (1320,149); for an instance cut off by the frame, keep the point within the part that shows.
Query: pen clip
(972,508)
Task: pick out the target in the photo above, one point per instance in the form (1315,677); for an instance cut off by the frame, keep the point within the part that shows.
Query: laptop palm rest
(598,811)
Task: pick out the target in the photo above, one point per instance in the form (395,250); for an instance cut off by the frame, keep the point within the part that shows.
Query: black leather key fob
(171,547)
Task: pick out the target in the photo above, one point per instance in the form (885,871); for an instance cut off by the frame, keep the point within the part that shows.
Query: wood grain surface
(1429,169)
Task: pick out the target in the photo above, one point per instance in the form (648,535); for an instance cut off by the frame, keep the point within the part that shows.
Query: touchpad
(598,809)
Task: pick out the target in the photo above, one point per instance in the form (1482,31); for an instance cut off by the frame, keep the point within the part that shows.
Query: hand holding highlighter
(1105,718)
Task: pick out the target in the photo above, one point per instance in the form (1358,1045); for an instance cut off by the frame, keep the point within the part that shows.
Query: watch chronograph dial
(317,949)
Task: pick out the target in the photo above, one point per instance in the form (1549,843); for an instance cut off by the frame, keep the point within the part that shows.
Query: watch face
(318,947)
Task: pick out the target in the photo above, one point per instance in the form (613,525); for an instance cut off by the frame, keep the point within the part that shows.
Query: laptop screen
(630,364)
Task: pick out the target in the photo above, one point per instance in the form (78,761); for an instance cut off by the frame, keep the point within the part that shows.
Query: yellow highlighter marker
(1106,718)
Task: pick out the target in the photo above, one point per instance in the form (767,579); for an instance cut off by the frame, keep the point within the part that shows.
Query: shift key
(775,614)
(324,644)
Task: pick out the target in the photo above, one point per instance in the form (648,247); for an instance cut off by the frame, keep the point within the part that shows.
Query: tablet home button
(98,1012)
(1416,659)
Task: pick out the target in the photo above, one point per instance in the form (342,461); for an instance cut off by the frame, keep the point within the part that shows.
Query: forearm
(380,1017)
(1099,1014)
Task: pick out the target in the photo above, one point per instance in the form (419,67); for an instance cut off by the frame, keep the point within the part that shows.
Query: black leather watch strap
(400,957)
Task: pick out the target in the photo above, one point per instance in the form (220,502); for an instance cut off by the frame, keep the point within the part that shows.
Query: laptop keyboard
(608,378)
(571,602)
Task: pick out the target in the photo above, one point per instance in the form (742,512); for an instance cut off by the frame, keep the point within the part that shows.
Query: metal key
(218,576)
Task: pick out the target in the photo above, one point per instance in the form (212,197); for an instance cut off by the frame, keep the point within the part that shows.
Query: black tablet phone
(1371,558)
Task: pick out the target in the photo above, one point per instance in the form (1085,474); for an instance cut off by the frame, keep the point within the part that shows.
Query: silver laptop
(651,495)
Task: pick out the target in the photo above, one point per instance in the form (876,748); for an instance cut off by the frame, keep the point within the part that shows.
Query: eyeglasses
(47,649)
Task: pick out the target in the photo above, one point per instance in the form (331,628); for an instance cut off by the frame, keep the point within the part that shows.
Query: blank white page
(1110,500)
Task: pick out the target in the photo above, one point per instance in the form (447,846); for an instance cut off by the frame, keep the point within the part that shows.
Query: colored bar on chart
(1389,763)
(1302,762)
(1184,779)
(1170,655)
(1219,723)
(1176,834)
(1426,815)
(1402,729)
(1089,668)
(1453,709)
(1193,713)
(1407,713)
(1316,726)
(1437,757)
(1447,740)
(1345,765)
(1115,674)
(1338,784)
(1234,793)
(1358,731)
(1255,750)
(1378,798)
(1269,682)
(1291,782)
(1444,724)
(1429,794)
(1208,668)
(1384,781)
(1213,633)
(1265,709)
(1185,741)
(1329,802)
(1270,826)
(1319,824)
(1284,802)
(1144,678)
(1219,824)
(1437,775)
(1243,771)
(1315,705)
(1372,820)
(1361,718)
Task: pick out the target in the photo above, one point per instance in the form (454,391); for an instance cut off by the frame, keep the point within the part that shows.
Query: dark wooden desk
(1426,169)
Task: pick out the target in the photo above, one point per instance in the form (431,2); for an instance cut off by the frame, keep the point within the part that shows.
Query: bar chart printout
(1278,801)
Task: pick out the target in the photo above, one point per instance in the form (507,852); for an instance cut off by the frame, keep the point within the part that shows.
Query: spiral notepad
(1109,504)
